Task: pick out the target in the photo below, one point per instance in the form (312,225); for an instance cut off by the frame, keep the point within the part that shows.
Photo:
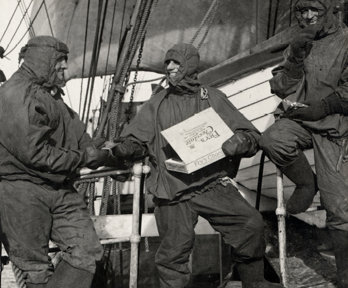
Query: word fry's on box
(197,140)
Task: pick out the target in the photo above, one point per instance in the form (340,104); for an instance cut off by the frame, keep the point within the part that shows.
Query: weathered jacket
(145,129)
(324,71)
(41,139)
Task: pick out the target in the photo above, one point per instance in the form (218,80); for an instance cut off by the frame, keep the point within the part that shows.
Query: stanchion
(281,213)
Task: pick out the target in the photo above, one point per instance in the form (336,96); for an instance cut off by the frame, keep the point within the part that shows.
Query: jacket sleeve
(27,136)
(142,129)
(286,77)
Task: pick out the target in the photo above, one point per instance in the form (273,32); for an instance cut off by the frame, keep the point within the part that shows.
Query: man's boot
(340,243)
(301,173)
(67,276)
(251,275)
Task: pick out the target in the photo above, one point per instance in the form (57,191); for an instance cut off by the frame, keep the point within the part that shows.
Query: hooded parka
(41,146)
(323,72)
(179,197)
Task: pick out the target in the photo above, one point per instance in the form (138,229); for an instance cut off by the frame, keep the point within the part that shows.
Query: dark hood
(188,57)
(327,12)
(40,56)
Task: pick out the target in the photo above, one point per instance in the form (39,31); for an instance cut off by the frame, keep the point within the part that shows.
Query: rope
(110,38)
(84,54)
(48,18)
(205,20)
(144,81)
(20,40)
(8,24)
(105,196)
(26,18)
(19,25)
(269,18)
(275,17)
(208,28)
(140,36)
(100,38)
(92,59)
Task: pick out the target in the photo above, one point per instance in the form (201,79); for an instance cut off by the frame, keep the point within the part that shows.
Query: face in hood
(43,57)
(326,15)
(186,58)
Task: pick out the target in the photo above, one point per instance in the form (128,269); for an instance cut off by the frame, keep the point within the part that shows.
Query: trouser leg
(73,231)
(31,214)
(283,143)
(26,224)
(175,224)
(241,226)
(333,186)
(332,182)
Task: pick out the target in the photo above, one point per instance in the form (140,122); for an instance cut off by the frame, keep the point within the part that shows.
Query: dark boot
(67,276)
(251,275)
(340,243)
(301,173)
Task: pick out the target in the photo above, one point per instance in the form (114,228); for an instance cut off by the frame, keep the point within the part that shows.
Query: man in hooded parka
(42,144)
(315,73)
(180,198)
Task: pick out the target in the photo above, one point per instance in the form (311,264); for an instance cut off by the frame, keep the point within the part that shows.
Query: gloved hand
(319,109)
(238,145)
(314,111)
(126,148)
(94,158)
(302,44)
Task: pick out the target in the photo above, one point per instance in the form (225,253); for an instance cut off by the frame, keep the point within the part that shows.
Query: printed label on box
(197,140)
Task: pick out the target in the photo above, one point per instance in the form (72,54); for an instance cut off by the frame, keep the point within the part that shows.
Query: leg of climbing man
(283,143)
(241,226)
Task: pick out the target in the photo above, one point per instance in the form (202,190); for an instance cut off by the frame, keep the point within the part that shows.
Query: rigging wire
(8,24)
(269,19)
(109,46)
(210,23)
(26,20)
(100,3)
(275,17)
(84,54)
(20,23)
(48,18)
(110,38)
(20,40)
(97,57)
(205,20)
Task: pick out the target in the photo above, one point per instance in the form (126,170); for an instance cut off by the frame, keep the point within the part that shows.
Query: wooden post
(138,171)
(281,212)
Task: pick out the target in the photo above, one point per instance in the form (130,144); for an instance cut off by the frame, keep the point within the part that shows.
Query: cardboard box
(197,140)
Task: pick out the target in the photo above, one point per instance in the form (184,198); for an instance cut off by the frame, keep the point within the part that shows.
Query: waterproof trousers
(240,225)
(282,142)
(32,214)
